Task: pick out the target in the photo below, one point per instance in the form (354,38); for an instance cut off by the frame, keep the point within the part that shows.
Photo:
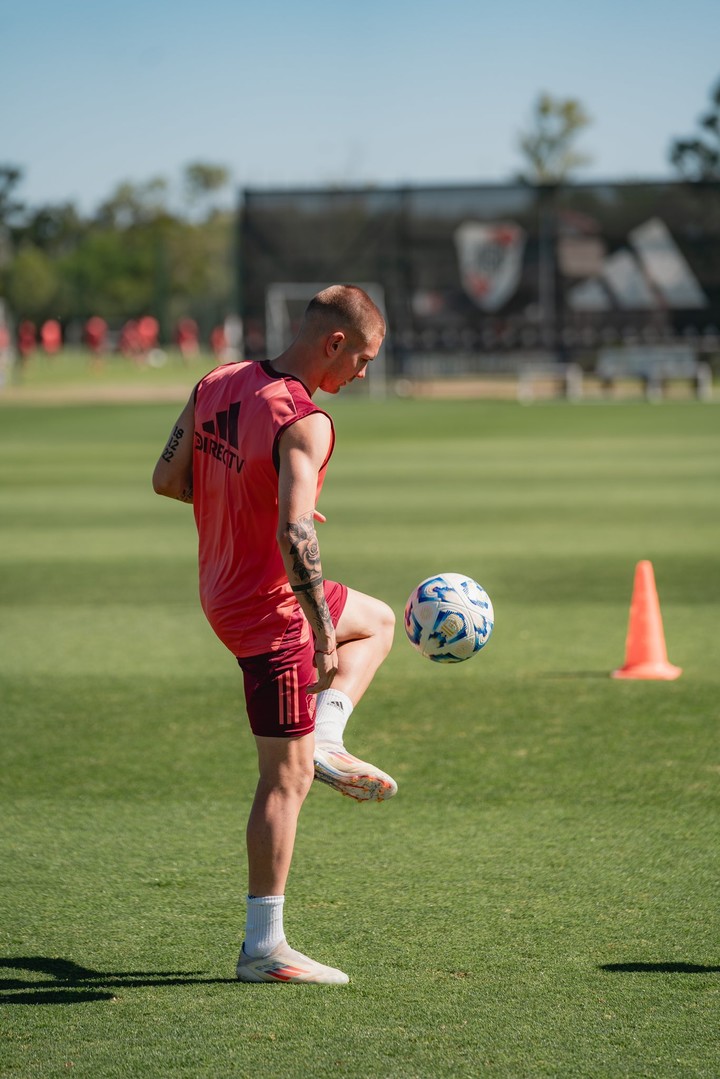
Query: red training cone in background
(645,652)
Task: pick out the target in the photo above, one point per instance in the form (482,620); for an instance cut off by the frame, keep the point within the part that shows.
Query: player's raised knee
(386,623)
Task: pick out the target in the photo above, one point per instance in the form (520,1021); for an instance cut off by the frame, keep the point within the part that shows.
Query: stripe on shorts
(288,698)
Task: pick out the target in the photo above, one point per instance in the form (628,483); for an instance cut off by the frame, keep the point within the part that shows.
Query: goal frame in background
(279,329)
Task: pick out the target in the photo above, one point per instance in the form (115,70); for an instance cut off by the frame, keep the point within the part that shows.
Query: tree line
(135,255)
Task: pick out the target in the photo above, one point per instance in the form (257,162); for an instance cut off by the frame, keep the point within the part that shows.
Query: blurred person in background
(95,335)
(26,342)
(218,342)
(186,338)
(51,336)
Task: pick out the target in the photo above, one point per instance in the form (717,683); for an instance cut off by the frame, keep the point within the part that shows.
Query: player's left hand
(319,517)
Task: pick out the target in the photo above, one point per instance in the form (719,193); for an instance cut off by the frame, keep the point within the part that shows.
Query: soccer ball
(449,618)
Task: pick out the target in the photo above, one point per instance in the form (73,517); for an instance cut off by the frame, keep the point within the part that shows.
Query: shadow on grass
(659,968)
(72,984)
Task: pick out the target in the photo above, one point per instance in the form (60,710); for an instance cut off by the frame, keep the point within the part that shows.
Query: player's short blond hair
(348,308)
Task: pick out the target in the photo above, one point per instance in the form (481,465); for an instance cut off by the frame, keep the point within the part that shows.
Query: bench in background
(654,366)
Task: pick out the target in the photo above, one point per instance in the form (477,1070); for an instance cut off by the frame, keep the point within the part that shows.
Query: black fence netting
(492,273)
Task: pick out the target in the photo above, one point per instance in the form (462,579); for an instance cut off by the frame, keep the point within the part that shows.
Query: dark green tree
(10,214)
(54,229)
(32,284)
(699,158)
(10,207)
(133,204)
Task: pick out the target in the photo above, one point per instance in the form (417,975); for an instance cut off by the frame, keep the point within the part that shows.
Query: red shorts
(278,704)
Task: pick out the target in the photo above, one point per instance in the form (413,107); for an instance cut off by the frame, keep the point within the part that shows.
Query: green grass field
(75,377)
(541,897)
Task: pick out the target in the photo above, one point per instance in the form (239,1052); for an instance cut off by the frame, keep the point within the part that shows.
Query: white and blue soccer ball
(449,618)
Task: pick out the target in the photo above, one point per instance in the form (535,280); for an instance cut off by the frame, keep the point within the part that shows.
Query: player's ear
(334,344)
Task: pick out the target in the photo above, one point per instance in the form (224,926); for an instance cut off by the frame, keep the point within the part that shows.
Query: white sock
(333,711)
(264,924)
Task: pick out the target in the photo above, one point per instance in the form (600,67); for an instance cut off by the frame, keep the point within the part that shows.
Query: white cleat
(284,964)
(355,778)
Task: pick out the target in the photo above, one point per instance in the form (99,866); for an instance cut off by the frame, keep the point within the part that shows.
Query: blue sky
(315,93)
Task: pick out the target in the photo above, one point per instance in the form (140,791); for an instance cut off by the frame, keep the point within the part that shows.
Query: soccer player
(249,451)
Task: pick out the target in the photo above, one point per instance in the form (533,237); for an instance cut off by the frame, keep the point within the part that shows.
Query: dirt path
(94,394)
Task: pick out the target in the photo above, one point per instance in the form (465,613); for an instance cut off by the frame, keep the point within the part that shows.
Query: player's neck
(296,363)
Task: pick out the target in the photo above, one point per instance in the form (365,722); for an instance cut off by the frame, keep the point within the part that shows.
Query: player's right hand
(326,666)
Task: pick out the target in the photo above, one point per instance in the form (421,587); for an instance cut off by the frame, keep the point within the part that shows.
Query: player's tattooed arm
(304,549)
(303,448)
(314,605)
(173,475)
(306,579)
(173,444)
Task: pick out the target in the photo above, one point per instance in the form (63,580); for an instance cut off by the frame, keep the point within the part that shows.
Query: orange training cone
(645,652)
